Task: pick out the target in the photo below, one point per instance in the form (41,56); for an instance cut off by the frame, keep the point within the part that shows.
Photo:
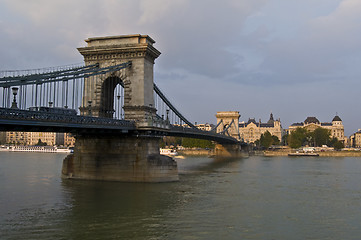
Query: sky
(289,57)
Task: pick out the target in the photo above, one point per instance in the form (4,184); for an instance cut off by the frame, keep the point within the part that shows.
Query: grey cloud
(216,55)
(196,38)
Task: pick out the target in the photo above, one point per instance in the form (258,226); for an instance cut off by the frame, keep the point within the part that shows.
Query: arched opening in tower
(112,99)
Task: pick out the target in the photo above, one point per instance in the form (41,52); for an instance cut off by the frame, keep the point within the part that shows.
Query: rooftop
(312,120)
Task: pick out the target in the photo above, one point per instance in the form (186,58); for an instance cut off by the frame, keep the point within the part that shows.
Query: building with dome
(311,123)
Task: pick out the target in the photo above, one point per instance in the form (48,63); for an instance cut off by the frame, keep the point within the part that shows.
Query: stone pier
(114,158)
(228,150)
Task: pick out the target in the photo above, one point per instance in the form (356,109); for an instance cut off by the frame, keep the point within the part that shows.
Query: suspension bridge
(111,104)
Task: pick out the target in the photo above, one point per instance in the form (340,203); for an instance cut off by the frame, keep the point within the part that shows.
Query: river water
(250,198)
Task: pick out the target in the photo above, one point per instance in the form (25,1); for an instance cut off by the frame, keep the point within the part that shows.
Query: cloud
(191,33)
(254,56)
(196,38)
(159,10)
(322,50)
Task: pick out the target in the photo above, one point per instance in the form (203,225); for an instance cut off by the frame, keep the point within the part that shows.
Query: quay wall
(196,152)
(204,152)
(322,154)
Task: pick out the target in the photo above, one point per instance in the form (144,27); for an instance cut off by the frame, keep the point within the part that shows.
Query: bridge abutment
(228,150)
(126,159)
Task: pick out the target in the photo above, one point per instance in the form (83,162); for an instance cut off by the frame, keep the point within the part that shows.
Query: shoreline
(204,152)
(196,152)
(322,154)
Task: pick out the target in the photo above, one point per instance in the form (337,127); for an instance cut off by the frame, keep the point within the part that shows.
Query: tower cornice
(119,47)
(118,52)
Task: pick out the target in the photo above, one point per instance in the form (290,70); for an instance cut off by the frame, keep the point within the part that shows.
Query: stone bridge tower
(229,119)
(138,79)
(129,158)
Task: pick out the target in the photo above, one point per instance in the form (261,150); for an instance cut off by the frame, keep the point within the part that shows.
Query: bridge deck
(25,120)
(35,121)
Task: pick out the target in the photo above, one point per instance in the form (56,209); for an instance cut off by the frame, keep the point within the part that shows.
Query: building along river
(250,198)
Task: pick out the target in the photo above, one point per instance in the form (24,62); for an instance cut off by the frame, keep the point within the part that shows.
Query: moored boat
(168,152)
(44,149)
(303,154)
(4,148)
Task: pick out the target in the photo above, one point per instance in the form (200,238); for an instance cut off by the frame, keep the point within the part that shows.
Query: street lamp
(90,108)
(119,107)
(15,92)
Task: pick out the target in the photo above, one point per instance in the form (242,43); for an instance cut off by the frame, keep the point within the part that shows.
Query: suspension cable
(170,105)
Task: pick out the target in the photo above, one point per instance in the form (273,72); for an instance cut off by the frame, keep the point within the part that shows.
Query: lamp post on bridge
(90,108)
(15,92)
(119,107)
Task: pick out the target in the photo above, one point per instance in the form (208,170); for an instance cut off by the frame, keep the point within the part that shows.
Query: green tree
(188,142)
(333,141)
(168,141)
(266,139)
(321,137)
(198,143)
(338,145)
(275,140)
(297,138)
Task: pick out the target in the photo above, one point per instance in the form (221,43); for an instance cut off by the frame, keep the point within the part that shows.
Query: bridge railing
(61,87)
(27,115)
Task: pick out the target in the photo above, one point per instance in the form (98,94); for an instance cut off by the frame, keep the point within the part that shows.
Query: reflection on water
(197,165)
(254,198)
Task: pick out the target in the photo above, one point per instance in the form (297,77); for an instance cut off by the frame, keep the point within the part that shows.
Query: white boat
(4,148)
(303,154)
(63,150)
(45,149)
(168,152)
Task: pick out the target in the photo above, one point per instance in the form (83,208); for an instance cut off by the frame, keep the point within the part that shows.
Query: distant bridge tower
(138,79)
(228,122)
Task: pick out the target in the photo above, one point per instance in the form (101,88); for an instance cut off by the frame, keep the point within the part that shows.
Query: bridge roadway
(35,121)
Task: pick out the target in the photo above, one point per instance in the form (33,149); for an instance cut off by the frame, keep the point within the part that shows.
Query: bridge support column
(228,150)
(126,159)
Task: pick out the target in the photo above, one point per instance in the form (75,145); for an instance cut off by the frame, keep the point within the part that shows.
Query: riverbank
(274,153)
(322,154)
(196,152)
